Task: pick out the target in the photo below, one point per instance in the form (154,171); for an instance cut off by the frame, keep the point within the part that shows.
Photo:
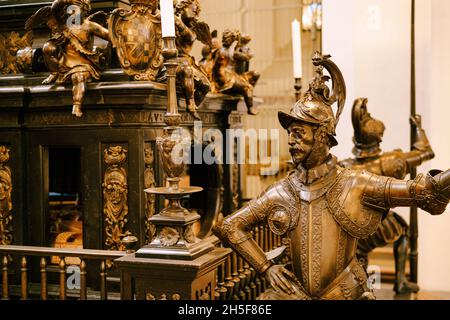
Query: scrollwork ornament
(189,234)
(115,197)
(5,198)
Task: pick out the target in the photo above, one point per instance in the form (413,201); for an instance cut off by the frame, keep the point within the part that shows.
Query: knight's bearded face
(301,142)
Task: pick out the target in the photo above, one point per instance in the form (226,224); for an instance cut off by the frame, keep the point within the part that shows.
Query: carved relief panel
(5,198)
(115,197)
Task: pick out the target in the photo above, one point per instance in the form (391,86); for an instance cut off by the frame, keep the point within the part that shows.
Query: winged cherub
(194,80)
(70,54)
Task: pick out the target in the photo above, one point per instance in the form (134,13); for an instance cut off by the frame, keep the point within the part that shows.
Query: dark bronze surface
(34,118)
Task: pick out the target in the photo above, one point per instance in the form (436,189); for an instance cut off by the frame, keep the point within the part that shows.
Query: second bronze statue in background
(368,156)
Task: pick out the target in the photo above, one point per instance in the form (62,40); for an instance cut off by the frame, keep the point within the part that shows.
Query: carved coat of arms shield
(136,34)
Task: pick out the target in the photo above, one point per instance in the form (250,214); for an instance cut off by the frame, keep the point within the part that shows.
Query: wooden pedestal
(160,279)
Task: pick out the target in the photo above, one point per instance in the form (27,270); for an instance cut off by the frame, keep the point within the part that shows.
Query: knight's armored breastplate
(321,249)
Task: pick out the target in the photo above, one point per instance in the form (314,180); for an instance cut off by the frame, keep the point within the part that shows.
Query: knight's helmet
(315,106)
(61,8)
(368,131)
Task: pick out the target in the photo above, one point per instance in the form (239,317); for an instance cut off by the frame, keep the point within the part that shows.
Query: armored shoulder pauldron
(347,203)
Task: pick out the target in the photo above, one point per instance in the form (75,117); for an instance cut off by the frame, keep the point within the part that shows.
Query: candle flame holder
(175,238)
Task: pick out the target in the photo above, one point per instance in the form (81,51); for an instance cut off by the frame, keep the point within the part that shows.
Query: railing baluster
(83,289)
(242,278)
(235,276)
(103,273)
(265,233)
(248,278)
(23,279)
(62,279)
(221,289)
(5,291)
(43,266)
(270,238)
(257,276)
(229,284)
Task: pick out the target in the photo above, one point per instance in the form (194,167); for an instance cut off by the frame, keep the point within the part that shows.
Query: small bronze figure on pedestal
(225,76)
(70,53)
(192,78)
(322,208)
(368,156)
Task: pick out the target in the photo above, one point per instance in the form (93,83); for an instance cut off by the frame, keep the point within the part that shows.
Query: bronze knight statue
(323,208)
(397,164)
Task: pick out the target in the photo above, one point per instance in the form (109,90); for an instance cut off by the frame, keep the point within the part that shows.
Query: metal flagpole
(414,228)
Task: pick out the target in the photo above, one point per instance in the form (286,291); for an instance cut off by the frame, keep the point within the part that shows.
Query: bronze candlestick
(175,238)
(298,88)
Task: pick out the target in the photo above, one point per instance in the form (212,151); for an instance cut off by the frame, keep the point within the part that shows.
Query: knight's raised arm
(421,150)
(429,192)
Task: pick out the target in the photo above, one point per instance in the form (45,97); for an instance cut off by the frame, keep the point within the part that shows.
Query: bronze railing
(236,279)
(8,253)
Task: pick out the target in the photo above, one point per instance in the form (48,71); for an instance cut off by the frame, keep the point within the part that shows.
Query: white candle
(297,49)
(167,18)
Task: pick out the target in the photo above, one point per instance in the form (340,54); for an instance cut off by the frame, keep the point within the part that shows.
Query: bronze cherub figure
(193,79)
(369,156)
(226,78)
(70,54)
(323,208)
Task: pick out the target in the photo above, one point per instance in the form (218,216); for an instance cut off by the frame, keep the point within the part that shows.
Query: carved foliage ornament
(115,197)
(5,198)
(137,36)
(10,44)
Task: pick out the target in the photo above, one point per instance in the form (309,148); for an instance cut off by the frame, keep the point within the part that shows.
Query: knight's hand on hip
(281,279)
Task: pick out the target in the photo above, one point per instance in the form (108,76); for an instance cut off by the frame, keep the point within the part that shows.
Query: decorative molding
(115,197)
(6,188)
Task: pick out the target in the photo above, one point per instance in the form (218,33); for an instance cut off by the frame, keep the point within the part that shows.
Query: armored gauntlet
(432,192)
